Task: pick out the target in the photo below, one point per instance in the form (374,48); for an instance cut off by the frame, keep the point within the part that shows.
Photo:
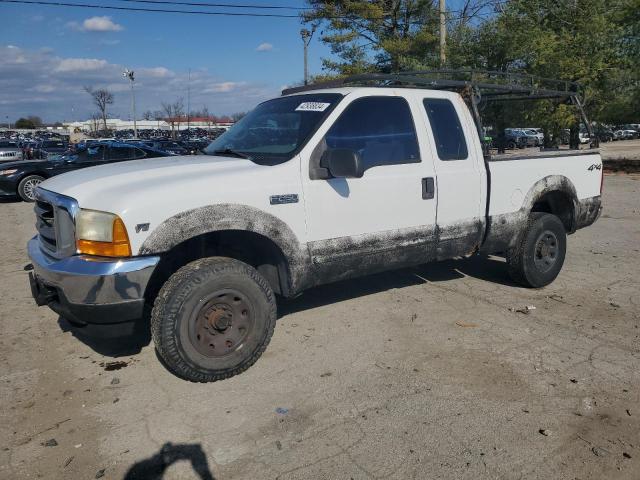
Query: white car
(308,188)
(9,151)
(538,132)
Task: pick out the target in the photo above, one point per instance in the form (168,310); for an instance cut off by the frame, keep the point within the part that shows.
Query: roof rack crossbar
(519,85)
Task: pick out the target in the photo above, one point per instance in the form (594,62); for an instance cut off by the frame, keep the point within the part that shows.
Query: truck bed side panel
(516,185)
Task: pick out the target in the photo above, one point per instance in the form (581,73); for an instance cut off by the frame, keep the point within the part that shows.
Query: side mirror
(343,163)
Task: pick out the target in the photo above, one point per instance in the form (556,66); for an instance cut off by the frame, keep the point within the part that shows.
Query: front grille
(8,154)
(45,224)
(55,222)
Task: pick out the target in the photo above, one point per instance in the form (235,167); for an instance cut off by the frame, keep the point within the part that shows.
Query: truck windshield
(275,130)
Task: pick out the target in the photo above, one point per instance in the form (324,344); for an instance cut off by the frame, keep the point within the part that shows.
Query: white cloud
(80,65)
(156,72)
(222,87)
(96,24)
(264,47)
(39,82)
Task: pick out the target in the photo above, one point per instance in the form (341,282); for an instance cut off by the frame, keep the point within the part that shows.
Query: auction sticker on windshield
(312,107)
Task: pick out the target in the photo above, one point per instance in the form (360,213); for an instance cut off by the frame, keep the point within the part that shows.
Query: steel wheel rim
(221,324)
(30,188)
(546,251)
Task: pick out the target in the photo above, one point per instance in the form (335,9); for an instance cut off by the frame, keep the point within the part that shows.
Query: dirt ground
(625,149)
(423,373)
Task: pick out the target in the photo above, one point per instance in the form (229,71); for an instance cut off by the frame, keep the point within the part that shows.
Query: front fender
(220,217)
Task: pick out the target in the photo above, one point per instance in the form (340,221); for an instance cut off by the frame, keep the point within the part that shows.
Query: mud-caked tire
(212,319)
(539,251)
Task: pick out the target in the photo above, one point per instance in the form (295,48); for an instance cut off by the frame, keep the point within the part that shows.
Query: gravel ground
(624,149)
(428,372)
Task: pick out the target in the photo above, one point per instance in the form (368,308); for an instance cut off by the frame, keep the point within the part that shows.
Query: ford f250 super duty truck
(315,186)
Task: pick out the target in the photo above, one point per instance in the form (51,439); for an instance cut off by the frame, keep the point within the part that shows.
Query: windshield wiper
(228,151)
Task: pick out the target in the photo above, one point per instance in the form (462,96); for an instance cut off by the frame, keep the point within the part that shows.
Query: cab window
(379,129)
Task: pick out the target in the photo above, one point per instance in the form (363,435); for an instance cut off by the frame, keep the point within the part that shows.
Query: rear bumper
(87,289)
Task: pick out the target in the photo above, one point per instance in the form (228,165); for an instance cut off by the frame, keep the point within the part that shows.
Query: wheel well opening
(252,248)
(559,204)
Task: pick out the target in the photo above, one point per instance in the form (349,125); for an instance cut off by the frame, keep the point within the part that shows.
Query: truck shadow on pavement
(155,466)
(488,268)
(129,339)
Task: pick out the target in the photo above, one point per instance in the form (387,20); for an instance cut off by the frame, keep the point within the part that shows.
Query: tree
(148,115)
(207,116)
(102,98)
(173,114)
(587,41)
(237,116)
(376,35)
(24,123)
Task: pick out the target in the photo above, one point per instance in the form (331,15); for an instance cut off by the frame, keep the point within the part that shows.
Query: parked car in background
(21,178)
(194,147)
(169,146)
(626,134)
(584,137)
(48,148)
(532,137)
(516,138)
(538,132)
(604,134)
(9,151)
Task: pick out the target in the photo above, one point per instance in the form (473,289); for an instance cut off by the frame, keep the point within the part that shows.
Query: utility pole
(306,39)
(129,74)
(443,32)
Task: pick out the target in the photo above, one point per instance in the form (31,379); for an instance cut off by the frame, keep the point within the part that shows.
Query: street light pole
(189,102)
(129,74)
(306,39)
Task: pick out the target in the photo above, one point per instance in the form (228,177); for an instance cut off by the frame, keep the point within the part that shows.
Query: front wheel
(213,319)
(538,255)
(27,187)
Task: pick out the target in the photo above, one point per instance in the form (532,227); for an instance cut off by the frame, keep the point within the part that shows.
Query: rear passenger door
(460,173)
(384,218)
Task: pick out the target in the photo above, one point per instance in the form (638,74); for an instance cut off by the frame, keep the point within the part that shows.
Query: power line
(224,5)
(157,10)
(191,12)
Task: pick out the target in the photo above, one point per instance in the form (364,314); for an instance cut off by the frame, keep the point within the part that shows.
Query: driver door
(386,218)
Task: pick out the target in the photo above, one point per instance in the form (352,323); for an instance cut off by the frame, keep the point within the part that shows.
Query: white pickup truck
(309,188)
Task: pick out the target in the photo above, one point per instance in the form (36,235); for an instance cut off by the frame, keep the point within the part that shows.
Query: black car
(50,148)
(21,178)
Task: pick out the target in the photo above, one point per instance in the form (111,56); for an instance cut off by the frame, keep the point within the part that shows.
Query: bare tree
(173,113)
(237,116)
(95,122)
(148,115)
(207,116)
(101,99)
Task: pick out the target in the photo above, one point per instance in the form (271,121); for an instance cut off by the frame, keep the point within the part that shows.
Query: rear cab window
(447,129)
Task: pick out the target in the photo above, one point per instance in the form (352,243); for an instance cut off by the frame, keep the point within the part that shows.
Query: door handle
(428,188)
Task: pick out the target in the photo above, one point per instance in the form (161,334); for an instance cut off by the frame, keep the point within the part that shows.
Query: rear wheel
(27,187)
(213,319)
(538,255)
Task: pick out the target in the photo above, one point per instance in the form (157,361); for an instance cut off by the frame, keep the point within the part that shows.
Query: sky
(48,54)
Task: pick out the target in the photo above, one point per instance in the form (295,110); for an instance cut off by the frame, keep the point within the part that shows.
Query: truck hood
(168,183)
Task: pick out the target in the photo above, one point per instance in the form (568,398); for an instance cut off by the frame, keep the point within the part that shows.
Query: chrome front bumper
(87,289)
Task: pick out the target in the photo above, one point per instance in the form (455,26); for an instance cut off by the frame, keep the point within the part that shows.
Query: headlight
(8,172)
(101,233)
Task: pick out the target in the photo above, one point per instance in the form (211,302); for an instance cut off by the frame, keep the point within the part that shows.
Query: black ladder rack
(476,87)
